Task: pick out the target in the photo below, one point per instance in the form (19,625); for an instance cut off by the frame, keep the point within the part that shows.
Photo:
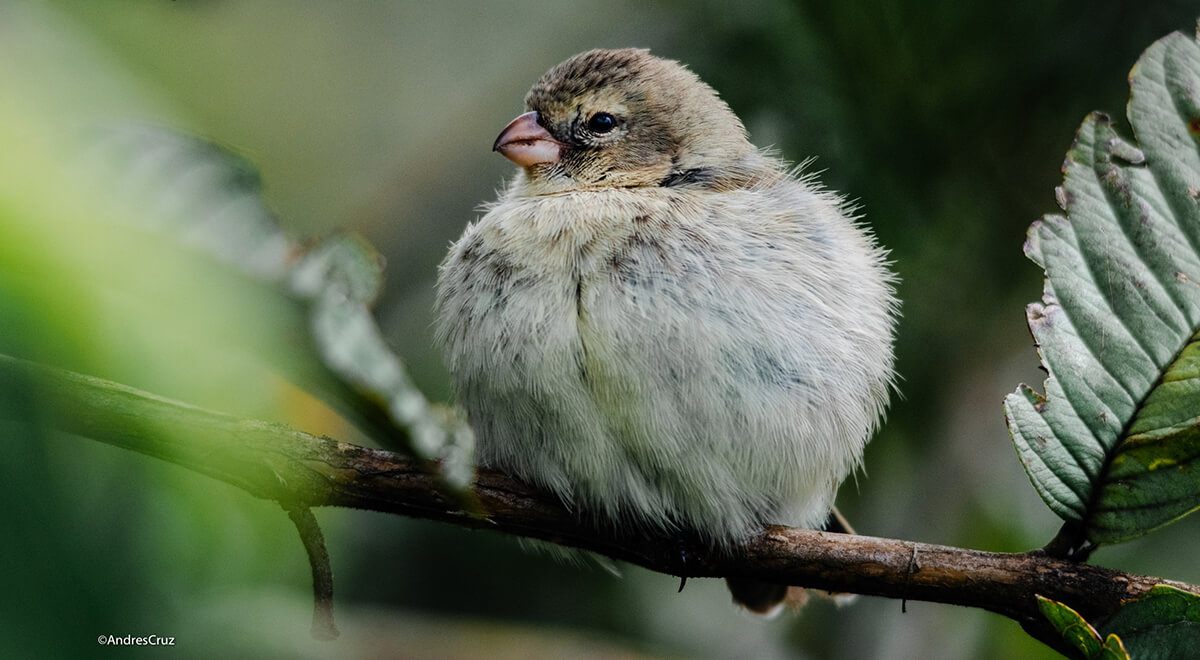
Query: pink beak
(526,143)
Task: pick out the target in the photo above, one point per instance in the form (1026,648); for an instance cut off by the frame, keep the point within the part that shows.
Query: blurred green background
(946,121)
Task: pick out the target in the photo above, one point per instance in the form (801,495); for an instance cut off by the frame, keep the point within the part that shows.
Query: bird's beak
(526,143)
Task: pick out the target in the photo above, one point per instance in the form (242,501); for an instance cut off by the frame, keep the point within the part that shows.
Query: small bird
(669,328)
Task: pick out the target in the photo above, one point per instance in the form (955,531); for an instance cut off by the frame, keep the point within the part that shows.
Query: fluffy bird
(660,323)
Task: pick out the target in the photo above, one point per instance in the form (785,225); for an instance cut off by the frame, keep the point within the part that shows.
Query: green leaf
(1163,623)
(1113,649)
(1077,633)
(1115,442)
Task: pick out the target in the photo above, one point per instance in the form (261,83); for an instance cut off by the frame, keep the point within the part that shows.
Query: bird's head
(625,118)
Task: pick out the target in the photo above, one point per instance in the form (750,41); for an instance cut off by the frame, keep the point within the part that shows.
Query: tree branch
(300,471)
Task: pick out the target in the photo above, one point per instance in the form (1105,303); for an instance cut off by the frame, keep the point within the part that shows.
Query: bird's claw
(681,548)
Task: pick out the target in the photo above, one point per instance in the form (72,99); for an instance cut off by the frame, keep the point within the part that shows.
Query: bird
(670,329)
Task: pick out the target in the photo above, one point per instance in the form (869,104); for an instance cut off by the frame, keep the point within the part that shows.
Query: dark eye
(601,123)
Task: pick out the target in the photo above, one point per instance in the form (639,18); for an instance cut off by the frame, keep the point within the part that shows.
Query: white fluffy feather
(667,358)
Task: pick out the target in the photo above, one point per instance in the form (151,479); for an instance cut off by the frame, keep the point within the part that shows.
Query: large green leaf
(1163,624)
(1114,444)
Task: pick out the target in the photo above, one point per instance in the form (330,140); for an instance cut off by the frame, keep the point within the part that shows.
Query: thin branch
(298,469)
(323,626)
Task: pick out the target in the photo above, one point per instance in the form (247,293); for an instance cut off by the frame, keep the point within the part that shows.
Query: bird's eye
(601,123)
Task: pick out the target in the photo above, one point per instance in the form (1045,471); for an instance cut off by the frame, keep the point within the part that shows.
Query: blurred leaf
(1113,443)
(1163,623)
(341,278)
(172,249)
(193,190)
(211,200)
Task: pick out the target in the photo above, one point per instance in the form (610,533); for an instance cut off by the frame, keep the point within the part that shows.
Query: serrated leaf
(341,279)
(1114,442)
(1164,623)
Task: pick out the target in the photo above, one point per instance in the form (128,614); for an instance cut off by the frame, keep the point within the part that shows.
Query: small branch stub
(323,625)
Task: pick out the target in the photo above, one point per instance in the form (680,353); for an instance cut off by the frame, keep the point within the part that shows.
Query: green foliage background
(946,121)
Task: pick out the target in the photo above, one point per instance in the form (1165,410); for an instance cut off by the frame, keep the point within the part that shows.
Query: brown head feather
(669,128)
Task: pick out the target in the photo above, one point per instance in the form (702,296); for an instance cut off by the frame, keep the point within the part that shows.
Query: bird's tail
(768,598)
(760,597)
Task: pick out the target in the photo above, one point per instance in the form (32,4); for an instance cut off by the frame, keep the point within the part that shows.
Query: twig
(323,626)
